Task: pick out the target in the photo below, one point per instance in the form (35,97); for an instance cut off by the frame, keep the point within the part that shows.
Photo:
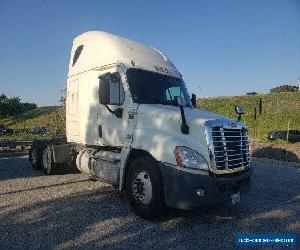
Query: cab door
(110,111)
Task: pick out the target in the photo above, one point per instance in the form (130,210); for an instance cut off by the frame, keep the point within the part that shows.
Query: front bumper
(180,186)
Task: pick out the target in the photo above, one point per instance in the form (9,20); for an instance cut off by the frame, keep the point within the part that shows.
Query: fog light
(199,192)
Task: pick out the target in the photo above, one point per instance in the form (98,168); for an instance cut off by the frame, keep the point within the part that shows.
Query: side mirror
(194,100)
(104,91)
(111,92)
(180,102)
(239,111)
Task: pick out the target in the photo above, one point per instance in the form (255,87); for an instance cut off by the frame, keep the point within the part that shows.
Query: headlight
(189,158)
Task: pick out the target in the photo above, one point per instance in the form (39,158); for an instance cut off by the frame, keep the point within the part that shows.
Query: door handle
(100,131)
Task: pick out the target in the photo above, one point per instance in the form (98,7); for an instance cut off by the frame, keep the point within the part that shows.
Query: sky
(225,47)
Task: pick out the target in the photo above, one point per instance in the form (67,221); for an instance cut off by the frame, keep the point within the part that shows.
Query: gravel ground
(68,211)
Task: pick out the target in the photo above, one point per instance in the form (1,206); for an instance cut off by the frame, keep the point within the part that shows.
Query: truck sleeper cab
(130,122)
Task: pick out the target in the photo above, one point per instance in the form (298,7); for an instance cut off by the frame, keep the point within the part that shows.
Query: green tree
(13,106)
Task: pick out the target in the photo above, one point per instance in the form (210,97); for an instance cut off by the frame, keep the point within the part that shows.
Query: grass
(35,117)
(280,111)
(38,117)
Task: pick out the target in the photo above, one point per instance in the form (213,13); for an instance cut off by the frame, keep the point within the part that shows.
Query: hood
(193,116)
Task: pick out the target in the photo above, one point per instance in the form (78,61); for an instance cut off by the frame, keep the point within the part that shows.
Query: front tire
(49,167)
(144,188)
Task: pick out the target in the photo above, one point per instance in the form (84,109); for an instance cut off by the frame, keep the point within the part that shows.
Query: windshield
(151,88)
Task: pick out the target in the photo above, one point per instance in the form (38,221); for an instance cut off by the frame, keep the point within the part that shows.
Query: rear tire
(49,167)
(35,158)
(144,188)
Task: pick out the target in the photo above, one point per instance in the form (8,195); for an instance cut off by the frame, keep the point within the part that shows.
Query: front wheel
(144,188)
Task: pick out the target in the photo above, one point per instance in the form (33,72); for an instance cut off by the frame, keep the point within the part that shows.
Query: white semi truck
(130,122)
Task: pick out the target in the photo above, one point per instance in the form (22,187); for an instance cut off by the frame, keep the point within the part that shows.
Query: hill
(49,116)
(35,117)
(279,111)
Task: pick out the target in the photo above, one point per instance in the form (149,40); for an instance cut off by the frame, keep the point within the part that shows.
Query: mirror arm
(184,127)
(239,117)
(109,109)
(118,112)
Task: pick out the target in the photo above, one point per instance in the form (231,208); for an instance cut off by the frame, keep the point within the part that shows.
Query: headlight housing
(189,158)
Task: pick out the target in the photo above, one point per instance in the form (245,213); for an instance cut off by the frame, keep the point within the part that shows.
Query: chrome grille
(230,147)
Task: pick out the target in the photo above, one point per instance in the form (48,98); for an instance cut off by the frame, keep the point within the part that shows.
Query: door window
(117,95)
(111,91)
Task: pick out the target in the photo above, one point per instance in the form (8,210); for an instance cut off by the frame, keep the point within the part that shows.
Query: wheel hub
(142,187)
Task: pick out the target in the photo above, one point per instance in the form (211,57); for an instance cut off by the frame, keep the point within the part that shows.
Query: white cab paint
(154,128)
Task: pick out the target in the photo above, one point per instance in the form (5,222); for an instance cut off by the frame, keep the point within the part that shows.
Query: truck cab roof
(97,49)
